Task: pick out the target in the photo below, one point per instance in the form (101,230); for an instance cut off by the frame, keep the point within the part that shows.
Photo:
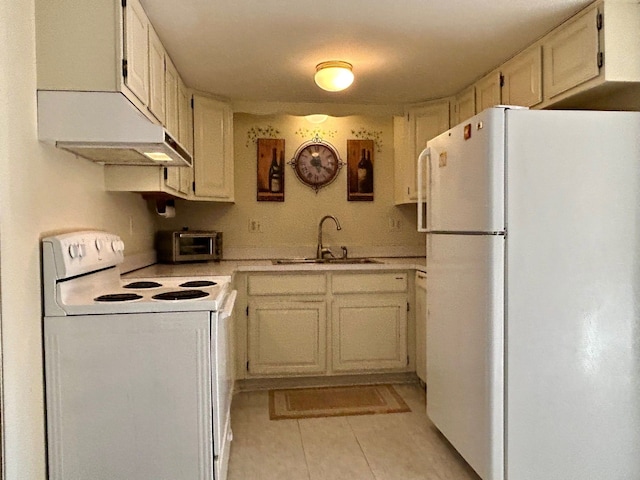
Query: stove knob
(82,250)
(74,250)
(117,246)
(98,244)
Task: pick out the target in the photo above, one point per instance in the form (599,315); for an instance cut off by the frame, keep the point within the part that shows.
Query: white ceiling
(402,51)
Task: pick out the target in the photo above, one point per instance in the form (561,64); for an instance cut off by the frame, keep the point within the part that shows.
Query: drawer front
(287,285)
(369,282)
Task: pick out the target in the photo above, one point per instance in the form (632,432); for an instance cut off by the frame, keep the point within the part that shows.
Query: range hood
(106,127)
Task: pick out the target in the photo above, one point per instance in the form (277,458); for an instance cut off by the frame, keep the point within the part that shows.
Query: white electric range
(138,373)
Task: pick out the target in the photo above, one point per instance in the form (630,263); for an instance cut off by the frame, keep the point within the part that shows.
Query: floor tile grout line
(366,459)
(304,450)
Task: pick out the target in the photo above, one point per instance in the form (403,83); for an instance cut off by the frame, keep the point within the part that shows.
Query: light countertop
(229,267)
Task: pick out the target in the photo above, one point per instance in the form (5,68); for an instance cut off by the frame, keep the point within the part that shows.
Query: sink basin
(324,261)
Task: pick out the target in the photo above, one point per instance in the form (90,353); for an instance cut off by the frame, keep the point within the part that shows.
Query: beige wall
(291,226)
(42,190)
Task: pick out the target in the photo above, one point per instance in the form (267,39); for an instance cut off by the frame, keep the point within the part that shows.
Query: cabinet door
(369,332)
(523,79)
(286,337)
(213,149)
(156,76)
(571,54)
(171,116)
(425,122)
(463,106)
(488,91)
(421,326)
(185,133)
(136,50)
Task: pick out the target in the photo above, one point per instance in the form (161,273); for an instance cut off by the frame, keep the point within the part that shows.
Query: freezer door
(465,285)
(465,190)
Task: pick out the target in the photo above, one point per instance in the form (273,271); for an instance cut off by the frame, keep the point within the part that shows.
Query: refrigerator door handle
(422,212)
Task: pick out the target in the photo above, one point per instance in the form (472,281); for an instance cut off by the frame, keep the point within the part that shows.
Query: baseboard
(255,384)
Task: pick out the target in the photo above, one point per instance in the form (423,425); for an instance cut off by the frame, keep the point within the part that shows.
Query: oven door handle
(229,302)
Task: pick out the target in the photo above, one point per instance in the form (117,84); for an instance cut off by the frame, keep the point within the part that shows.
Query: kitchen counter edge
(229,267)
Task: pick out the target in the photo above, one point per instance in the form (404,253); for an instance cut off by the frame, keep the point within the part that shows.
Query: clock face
(316,164)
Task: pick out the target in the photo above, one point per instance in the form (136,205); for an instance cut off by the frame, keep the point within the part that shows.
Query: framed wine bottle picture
(360,170)
(270,178)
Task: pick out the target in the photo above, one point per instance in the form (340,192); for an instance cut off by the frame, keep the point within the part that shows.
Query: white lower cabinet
(326,323)
(369,332)
(287,336)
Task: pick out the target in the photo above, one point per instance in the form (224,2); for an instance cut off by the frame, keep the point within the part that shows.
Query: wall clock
(316,163)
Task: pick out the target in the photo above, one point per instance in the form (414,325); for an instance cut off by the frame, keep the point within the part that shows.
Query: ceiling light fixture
(334,76)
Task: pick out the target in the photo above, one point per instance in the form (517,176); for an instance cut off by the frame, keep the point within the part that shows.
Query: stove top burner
(198,283)
(140,285)
(180,295)
(118,297)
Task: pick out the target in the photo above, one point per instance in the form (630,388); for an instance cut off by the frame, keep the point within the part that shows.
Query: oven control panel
(77,253)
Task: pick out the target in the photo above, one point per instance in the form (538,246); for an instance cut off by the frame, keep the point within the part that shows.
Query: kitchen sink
(324,261)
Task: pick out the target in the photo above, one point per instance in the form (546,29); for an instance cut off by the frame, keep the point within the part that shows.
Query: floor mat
(334,402)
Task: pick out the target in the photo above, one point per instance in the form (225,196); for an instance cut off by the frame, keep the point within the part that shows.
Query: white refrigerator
(533,293)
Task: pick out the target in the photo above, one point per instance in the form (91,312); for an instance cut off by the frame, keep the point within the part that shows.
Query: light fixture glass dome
(334,76)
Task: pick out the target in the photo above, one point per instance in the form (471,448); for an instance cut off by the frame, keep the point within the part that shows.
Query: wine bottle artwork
(360,173)
(270,171)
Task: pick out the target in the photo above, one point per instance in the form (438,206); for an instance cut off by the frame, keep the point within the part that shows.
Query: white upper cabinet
(421,123)
(136,50)
(571,53)
(522,78)
(593,59)
(101,46)
(171,117)
(463,105)
(157,77)
(212,150)
(185,133)
(488,92)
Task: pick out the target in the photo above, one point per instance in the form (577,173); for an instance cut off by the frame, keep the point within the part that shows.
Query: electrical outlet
(255,226)
(394,224)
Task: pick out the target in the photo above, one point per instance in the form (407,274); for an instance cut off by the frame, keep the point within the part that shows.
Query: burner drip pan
(142,285)
(118,297)
(198,284)
(181,295)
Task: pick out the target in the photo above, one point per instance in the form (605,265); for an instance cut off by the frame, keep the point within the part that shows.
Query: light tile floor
(397,446)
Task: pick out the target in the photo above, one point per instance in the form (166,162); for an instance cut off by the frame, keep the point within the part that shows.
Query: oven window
(196,245)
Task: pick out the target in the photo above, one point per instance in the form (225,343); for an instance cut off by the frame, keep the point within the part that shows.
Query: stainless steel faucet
(322,252)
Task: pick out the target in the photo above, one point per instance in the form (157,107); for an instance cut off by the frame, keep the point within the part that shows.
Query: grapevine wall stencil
(315,133)
(365,134)
(255,133)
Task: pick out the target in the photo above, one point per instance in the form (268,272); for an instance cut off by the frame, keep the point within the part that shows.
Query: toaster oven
(188,246)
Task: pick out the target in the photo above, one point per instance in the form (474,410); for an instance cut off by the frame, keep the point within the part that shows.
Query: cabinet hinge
(192,103)
(501,80)
(408,117)
(407,359)
(125,70)
(247,310)
(247,366)
(600,59)
(408,308)
(193,186)
(124,3)
(166,173)
(599,21)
